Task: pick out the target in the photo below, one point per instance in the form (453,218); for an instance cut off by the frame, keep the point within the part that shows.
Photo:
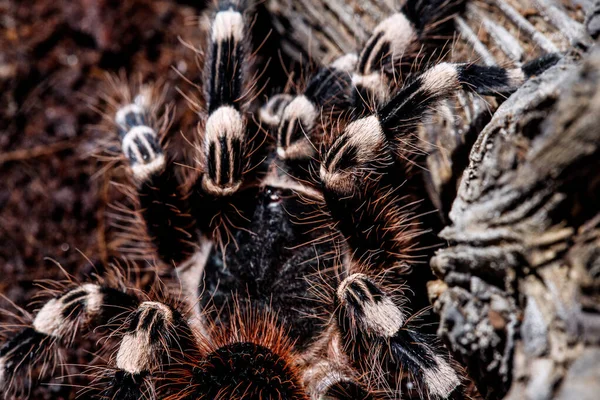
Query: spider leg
(365,165)
(57,324)
(162,203)
(271,112)
(398,46)
(377,338)
(227,145)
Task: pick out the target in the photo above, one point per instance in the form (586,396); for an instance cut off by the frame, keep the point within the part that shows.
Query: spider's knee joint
(141,146)
(295,129)
(371,309)
(359,150)
(224,141)
(148,326)
(54,317)
(272,112)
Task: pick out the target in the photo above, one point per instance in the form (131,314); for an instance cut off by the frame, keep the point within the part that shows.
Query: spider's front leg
(377,338)
(162,203)
(227,149)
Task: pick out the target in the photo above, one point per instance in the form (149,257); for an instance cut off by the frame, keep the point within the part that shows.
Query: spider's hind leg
(377,337)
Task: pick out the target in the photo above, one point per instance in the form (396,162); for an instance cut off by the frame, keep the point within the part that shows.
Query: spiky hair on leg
(251,357)
(377,335)
(72,308)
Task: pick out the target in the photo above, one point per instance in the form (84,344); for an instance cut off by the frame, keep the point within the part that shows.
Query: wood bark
(519,297)
(519,281)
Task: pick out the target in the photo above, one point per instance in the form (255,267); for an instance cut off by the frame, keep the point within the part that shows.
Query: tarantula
(321,194)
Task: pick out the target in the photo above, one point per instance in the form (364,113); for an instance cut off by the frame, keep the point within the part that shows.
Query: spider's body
(291,248)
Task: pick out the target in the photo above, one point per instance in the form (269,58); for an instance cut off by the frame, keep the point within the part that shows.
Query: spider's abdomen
(277,257)
(237,371)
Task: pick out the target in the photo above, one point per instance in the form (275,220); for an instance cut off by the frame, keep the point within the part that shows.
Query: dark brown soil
(53,59)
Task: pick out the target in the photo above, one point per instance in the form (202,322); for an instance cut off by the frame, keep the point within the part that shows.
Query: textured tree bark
(519,288)
(519,297)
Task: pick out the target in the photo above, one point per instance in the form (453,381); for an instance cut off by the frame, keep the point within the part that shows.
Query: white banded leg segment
(370,89)
(360,149)
(383,53)
(56,316)
(388,43)
(328,90)
(295,129)
(346,63)
(368,308)
(416,99)
(272,112)
(129,116)
(225,161)
(141,146)
(225,139)
(142,343)
(426,360)
(153,332)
